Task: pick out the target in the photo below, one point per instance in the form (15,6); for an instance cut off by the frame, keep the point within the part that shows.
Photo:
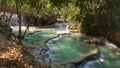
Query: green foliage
(99,17)
(5,28)
(60,3)
(45,17)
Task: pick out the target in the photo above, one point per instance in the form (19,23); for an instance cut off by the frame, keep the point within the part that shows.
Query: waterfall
(67,29)
(95,63)
(14,19)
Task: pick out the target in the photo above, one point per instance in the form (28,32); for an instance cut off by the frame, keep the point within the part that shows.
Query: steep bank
(13,55)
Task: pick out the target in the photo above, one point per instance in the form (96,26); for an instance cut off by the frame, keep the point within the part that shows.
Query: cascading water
(65,49)
(96,63)
(14,19)
(49,45)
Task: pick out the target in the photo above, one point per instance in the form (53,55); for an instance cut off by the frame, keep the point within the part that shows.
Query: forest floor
(13,55)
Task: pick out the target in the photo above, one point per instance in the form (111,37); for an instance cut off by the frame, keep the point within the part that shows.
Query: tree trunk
(25,31)
(19,21)
(11,13)
(20,31)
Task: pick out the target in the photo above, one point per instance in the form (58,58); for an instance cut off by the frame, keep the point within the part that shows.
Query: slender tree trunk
(20,31)
(19,21)
(26,31)
(11,13)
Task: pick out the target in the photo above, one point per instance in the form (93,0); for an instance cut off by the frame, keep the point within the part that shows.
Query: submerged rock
(98,41)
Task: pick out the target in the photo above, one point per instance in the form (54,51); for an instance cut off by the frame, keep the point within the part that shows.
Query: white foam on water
(95,63)
(110,44)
